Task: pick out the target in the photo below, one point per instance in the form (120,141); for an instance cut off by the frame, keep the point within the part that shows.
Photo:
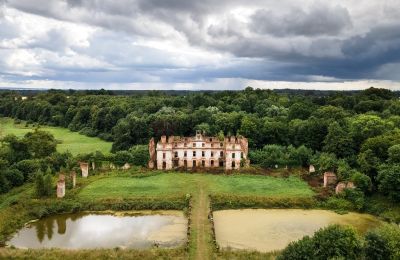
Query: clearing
(70,141)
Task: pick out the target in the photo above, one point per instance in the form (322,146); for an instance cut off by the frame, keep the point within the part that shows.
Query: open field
(181,183)
(70,141)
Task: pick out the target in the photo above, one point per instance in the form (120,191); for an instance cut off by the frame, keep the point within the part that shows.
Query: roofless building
(198,151)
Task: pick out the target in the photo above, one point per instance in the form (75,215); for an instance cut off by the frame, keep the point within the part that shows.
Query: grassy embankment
(70,141)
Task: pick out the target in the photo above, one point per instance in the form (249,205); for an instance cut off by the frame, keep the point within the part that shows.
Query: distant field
(70,141)
(181,183)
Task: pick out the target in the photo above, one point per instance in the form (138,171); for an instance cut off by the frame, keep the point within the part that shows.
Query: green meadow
(70,141)
(184,183)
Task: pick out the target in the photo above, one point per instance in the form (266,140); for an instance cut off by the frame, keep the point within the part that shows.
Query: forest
(355,134)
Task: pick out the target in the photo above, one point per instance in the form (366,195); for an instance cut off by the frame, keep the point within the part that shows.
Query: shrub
(4,184)
(383,242)
(14,177)
(336,241)
(340,204)
(355,196)
(389,178)
(88,132)
(327,243)
(140,155)
(362,181)
(302,249)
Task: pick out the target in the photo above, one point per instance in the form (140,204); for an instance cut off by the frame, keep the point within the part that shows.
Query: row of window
(203,154)
(203,164)
(202,145)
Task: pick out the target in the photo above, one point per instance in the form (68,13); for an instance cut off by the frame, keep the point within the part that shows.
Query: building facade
(198,151)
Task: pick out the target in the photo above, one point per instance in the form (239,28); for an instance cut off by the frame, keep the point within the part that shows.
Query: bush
(140,155)
(88,132)
(331,242)
(14,177)
(4,184)
(355,196)
(339,204)
(122,157)
(383,242)
(389,178)
(302,249)
(362,181)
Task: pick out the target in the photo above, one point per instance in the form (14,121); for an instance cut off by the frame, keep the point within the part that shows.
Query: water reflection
(105,231)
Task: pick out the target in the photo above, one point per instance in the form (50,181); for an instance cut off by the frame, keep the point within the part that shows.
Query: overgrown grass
(181,183)
(219,202)
(70,141)
(49,254)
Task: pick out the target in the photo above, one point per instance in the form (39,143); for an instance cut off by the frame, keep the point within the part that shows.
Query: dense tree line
(354,134)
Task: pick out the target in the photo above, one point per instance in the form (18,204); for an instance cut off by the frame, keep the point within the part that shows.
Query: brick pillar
(61,189)
(85,169)
(73,176)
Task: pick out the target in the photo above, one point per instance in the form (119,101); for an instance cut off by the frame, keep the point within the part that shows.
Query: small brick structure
(344,185)
(73,177)
(311,169)
(329,179)
(61,188)
(85,169)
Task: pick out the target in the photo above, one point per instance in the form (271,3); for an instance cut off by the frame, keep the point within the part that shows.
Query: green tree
(39,184)
(394,154)
(389,181)
(332,242)
(338,141)
(362,181)
(14,177)
(47,185)
(383,243)
(4,184)
(40,143)
(140,155)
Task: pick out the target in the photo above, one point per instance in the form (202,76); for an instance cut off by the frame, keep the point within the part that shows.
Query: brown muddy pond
(266,230)
(104,230)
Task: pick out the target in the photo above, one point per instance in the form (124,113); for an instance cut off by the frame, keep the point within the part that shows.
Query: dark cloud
(317,20)
(263,40)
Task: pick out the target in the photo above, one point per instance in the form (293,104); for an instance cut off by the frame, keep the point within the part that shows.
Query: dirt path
(201,246)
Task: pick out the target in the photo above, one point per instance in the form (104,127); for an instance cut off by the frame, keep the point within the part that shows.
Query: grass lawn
(183,183)
(69,141)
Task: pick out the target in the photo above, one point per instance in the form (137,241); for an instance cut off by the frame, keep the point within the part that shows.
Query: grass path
(201,226)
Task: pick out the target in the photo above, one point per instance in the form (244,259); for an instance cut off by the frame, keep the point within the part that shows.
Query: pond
(266,230)
(104,230)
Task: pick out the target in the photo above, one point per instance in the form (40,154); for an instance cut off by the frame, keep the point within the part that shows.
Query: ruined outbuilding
(329,179)
(344,185)
(61,186)
(85,169)
(199,151)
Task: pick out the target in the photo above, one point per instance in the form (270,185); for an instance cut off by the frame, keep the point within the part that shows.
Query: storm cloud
(173,42)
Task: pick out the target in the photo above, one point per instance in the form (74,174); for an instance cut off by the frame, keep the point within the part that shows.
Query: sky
(208,44)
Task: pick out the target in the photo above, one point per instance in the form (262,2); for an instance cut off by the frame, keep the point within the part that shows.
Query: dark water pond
(104,230)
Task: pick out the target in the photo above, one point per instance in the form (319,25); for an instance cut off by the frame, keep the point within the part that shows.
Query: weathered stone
(311,169)
(329,179)
(126,166)
(60,189)
(73,177)
(85,169)
(343,185)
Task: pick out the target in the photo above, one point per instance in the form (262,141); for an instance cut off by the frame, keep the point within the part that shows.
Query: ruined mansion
(199,151)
